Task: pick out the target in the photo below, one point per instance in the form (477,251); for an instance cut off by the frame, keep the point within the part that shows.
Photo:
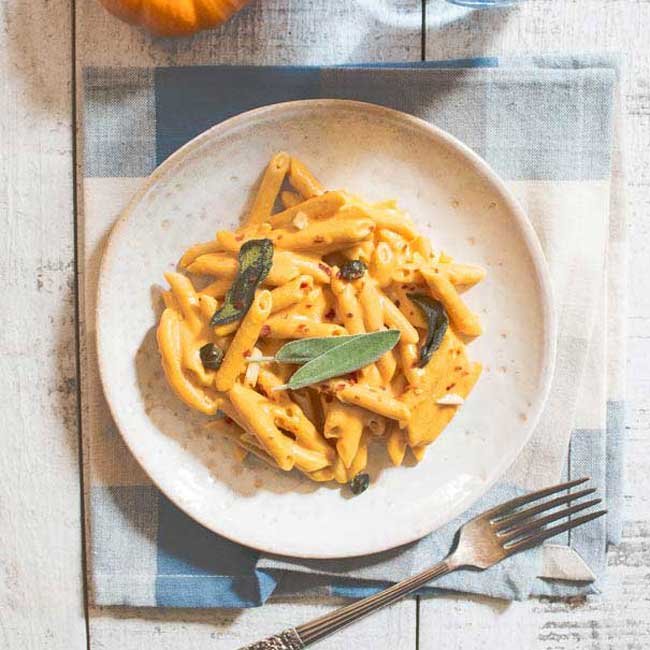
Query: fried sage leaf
(255,260)
(437,323)
(348,357)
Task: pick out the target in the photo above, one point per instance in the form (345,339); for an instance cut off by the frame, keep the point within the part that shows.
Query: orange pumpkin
(174,17)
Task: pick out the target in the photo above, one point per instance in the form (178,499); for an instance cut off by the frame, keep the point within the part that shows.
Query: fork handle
(308,633)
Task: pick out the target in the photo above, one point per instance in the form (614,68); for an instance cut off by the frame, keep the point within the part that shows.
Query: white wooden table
(43,46)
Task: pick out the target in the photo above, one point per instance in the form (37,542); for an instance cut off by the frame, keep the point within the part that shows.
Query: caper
(352,270)
(211,356)
(359,483)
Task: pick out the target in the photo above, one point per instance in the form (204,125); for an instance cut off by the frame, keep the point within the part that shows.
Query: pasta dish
(322,323)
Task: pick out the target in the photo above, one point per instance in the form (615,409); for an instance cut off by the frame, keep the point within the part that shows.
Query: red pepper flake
(450,386)
(349,315)
(457,368)
(304,285)
(228,420)
(329,399)
(302,327)
(330,314)
(239,237)
(397,303)
(265,331)
(405,286)
(309,306)
(325,268)
(247,353)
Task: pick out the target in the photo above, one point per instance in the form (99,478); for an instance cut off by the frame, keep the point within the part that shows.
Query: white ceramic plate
(378,153)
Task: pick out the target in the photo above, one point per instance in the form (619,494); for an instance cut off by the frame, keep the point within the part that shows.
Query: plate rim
(480,166)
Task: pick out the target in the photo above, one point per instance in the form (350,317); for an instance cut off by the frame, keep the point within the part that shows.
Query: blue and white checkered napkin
(551,128)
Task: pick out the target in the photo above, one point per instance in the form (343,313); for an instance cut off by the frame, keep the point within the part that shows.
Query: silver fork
(481,543)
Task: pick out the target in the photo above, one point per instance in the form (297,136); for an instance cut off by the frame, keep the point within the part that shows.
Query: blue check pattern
(532,120)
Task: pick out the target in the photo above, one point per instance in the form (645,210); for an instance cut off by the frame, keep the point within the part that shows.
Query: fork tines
(519,529)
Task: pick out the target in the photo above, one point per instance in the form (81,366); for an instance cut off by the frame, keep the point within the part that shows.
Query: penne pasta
(290,416)
(396,444)
(409,361)
(291,293)
(231,242)
(394,319)
(220,265)
(362,251)
(360,460)
(186,299)
(260,416)
(169,344)
(465,275)
(234,361)
(290,326)
(269,188)
(288,265)
(373,316)
(169,300)
(383,264)
(372,399)
(464,320)
(197,250)
(256,413)
(217,288)
(384,218)
(303,181)
(290,199)
(317,207)
(398,294)
(352,317)
(345,423)
(281,298)
(324,236)
(207,306)
(326,264)
(418,452)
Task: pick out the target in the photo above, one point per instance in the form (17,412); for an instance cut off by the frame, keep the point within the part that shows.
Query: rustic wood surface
(44,45)
(41,596)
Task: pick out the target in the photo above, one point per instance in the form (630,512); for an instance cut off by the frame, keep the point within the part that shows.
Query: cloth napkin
(551,127)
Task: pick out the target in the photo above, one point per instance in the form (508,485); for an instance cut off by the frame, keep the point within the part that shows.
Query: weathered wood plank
(268,32)
(265,32)
(141,629)
(41,597)
(620,618)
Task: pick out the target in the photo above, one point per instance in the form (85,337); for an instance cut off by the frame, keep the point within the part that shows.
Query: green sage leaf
(347,357)
(304,350)
(437,323)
